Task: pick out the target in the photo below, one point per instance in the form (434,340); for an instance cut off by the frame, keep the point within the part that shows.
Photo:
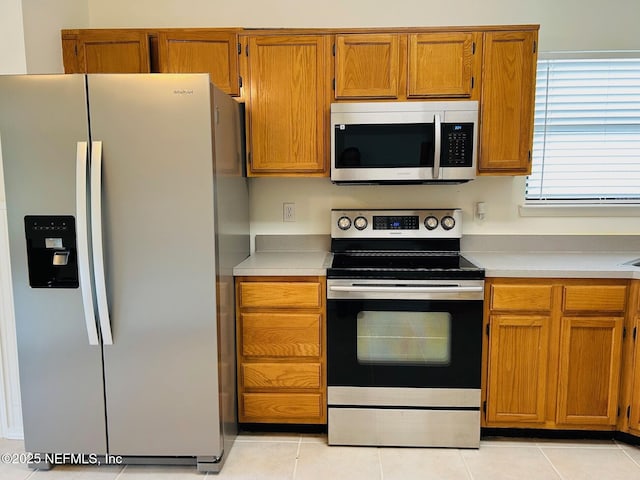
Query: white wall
(565,25)
(43,20)
(12,57)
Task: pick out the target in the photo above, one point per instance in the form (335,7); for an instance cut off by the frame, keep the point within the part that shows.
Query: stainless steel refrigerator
(127,210)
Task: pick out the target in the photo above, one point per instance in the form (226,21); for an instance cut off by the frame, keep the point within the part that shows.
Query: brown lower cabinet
(281,350)
(553,353)
(630,414)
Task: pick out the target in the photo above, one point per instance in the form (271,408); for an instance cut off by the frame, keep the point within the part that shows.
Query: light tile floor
(307,457)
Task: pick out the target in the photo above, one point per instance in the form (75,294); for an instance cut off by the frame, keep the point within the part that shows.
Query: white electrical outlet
(289,212)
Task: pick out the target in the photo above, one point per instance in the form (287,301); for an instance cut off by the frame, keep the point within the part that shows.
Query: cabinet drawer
(281,375)
(280,334)
(597,298)
(280,294)
(535,298)
(281,406)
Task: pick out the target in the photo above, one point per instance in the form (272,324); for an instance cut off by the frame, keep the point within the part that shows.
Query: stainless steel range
(404,330)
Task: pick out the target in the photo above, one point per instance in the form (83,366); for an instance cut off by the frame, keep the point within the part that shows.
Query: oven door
(404,343)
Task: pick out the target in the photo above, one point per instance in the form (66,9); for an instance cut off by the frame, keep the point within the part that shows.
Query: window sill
(574,210)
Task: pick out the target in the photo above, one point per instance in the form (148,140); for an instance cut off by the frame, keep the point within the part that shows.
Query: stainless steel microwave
(404,142)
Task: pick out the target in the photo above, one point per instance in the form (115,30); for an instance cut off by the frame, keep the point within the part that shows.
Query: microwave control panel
(457,145)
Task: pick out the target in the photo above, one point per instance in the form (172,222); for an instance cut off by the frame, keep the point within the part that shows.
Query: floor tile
(76,472)
(268,437)
(592,463)
(314,438)
(163,472)
(576,443)
(321,462)
(633,451)
(259,461)
(423,463)
(509,463)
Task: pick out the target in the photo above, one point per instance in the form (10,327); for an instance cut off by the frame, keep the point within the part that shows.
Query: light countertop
(285,264)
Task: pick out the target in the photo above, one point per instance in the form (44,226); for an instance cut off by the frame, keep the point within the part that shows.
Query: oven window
(393,338)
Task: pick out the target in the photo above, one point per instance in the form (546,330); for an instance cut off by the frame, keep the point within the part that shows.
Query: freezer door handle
(96,237)
(83,242)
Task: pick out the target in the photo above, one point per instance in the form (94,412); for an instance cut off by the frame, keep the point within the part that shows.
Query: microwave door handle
(438,145)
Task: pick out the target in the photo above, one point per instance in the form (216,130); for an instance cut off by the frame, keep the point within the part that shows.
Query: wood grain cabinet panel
(281,347)
(106,51)
(288,104)
(202,51)
(367,66)
(517,378)
(599,298)
(282,375)
(632,390)
(281,334)
(554,357)
(281,407)
(589,373)
(442,64)
(507,102)
(521,297)
(281,294)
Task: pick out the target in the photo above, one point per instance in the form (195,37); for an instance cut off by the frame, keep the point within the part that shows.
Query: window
(586,142)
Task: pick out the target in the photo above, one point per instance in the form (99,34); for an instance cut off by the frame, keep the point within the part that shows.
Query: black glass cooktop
(399,265)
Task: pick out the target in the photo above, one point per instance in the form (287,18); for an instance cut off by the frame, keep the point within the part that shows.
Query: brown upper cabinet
(368,66)
(288,104)
(202,51)
(507,102)
(106,51)
(400,66)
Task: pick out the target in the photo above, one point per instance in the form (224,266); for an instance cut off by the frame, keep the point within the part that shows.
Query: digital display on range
(388,222)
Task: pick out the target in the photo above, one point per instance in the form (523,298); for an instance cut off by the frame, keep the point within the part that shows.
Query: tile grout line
(630,457)
(380,463)
(466,466)
(295,463)
(550,462)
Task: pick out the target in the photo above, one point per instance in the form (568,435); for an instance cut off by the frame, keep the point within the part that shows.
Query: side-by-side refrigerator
(127,210)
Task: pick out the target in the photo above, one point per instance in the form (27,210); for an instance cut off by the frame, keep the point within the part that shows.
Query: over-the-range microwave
(404,142)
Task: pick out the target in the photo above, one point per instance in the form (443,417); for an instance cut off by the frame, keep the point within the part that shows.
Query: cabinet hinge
(529,156)
(484,407)
(535,46)
(246,49)
(334,49)
(488,328)
(618,410)
(240,81)
(624,332)
(473,81)
(473,48)
(250,157)
(635,330)
(628,411)
(239,48)
(334,84)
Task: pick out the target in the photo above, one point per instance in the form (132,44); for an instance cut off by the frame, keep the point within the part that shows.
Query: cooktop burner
(399,244)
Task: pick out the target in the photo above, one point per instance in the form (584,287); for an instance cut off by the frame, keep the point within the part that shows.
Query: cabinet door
(113,51)
(517,379)
(367,66)
(589,370)
(634,407)
(508,94)
(288,104)
(202,51)
(442,64)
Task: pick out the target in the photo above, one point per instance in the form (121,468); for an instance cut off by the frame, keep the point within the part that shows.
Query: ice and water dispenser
(51,251)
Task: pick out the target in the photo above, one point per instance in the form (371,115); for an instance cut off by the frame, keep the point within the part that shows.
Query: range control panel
(434,223)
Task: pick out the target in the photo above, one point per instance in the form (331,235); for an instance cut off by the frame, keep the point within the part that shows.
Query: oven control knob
(360,223)
(448,222)
(344,223)
(431,222)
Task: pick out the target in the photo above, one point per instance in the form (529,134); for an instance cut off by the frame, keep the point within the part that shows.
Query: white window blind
(586,142)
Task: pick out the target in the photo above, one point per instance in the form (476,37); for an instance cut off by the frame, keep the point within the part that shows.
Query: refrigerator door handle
(96,237)
(83,243)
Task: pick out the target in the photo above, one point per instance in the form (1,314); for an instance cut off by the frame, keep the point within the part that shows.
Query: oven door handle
(409,289)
